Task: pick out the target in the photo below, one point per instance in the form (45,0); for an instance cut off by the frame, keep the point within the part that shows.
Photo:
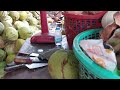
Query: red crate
(75,24)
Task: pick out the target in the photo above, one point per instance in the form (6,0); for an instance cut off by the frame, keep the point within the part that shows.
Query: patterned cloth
(54,14)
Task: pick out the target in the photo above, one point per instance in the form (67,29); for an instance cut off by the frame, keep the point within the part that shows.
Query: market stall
(59,44)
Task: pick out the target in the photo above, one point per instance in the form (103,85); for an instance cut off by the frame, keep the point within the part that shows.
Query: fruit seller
(55,15)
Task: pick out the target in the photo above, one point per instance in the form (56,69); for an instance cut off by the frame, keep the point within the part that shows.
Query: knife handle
(23,54)
(22,61)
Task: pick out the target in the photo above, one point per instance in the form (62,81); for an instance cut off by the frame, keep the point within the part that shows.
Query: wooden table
(25,73)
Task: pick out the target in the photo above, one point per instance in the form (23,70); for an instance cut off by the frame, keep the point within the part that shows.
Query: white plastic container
(58,36)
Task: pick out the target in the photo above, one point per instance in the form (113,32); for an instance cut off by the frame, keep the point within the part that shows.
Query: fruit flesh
(63,65)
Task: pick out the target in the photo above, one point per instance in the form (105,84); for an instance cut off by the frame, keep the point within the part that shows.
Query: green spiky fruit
(23,15)
(10,48)
(10,34)
(2,55)
(25,33)
(14,14)
(10,58)
(1,28)
(18,44)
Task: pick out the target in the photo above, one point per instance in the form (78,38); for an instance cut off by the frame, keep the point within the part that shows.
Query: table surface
(39,73)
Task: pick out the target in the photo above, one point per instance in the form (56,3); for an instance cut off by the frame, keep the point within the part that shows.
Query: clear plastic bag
(97,52)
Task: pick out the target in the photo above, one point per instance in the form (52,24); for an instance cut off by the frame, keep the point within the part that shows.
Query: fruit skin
(1,28)
(108,18)
(2,64)
(63,65)
(117,48)
(114,41)
(18,44)
(14,14)
(2,42)
(10,48)
(18,25)
(6,24)
(33,21)
(10,34)
(23,15)
(7,19)
(2,55)
(10,58)
(25,33)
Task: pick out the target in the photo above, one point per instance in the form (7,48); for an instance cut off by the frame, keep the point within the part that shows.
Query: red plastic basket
(75,24)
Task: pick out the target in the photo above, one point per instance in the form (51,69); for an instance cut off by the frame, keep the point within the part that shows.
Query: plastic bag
(95,50)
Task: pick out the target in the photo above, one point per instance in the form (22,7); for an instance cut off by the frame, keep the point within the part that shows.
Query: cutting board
(27,47)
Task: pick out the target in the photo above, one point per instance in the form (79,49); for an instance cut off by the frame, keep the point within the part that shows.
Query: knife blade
(28,54)
(36,65)
(29,66)
(26,58)
(48,53)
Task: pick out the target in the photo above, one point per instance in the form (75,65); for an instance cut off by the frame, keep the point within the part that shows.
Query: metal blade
(36,65)
(34,54)
(38,60)
(47,54)
(14,67)
(34,59)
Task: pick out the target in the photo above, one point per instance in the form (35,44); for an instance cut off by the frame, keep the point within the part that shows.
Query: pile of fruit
(15,28)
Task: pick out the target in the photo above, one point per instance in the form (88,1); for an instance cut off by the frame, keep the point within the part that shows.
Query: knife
(29,66)
(29,60)
(26,58)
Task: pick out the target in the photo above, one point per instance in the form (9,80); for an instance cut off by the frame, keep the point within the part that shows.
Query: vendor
(55,15)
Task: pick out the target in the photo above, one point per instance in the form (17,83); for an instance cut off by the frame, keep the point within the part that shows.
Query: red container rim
(96,16)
